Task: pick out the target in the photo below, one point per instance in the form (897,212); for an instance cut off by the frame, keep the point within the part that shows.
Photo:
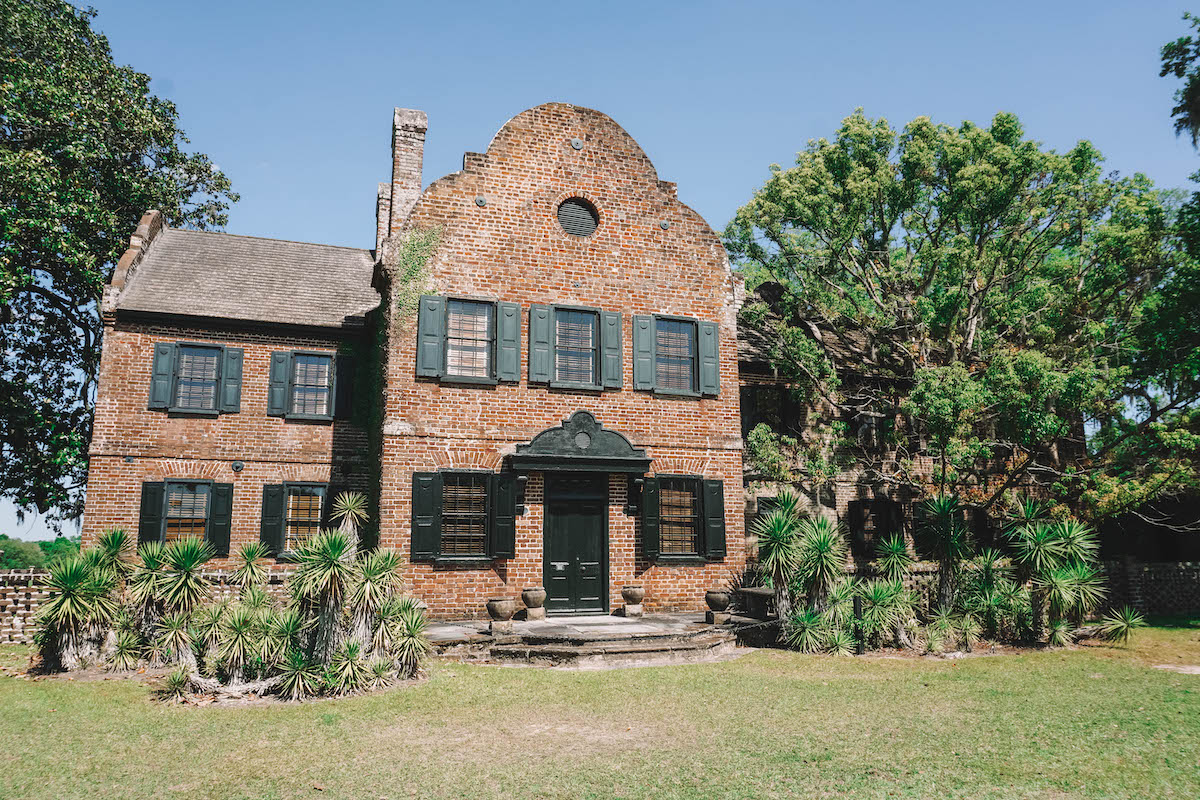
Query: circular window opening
(578,217)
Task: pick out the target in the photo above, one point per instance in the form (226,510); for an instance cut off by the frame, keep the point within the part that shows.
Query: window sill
(194,412)
(677,393)
(576,387)
(310,417)
(462,562)
(466,380)
(681,560)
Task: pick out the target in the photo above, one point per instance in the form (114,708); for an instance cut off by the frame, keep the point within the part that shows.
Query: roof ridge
(268,239)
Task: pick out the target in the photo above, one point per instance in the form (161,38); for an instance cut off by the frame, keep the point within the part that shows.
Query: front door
(576,544)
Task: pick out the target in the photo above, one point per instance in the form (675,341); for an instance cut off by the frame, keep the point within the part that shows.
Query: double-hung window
(683,518)
(310,385)
(193,378)
(179,509)
(576,347)
(676,355)
(463,517)
(679,521)
(468,341)
(292,513)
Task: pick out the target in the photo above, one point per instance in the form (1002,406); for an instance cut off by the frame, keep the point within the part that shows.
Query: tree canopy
(994,296)
(85,149)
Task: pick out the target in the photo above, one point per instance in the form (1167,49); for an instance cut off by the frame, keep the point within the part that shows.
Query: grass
(1096,721)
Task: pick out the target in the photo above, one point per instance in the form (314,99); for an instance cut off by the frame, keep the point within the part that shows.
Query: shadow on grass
(1185,622)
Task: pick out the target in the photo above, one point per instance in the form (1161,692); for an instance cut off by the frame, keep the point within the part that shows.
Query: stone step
(702,646)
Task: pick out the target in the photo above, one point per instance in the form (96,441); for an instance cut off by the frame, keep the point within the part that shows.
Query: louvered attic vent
(578,217)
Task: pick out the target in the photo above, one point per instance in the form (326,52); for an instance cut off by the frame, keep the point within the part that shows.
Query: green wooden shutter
(426,515)
(714,518)
(650,516)
(508,342)
(332,490)
(343,386)
(710,362)
(220,517)
(610,354)
(643,352)
(150,518)
(431,336)
(277,383)
(541,351)
(270,528)
(503,540)
(231,381)
(162,375)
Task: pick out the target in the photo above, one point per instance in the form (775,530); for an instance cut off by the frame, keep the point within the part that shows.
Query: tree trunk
(1037,600)
(945,586)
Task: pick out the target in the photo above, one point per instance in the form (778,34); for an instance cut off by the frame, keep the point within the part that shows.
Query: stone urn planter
(501,610)
(633,595)
(534,598)
(717,599)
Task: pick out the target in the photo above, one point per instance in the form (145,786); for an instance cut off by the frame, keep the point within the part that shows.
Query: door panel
(576,544)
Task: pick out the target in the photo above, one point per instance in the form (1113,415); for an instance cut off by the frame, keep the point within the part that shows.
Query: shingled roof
(225,276)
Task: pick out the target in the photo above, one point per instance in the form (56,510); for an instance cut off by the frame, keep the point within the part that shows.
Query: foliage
(821,559)
(410,270)
(126,653)
(1119,625)
(892,559)
(251,561)
(840,642)
(300,678)
(779,550)
(1179,59)
(183,586)
(81,602)
(16,554)
(769,453)
(176,684)
(805,630)
(988,295)
(347,672)
(85,150)
(946,538)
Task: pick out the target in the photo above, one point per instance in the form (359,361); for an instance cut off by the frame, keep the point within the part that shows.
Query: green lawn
(1093,722)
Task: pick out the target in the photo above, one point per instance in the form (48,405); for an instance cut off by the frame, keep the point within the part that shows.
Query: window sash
(679,516)
(470,335)
(197,377)
(464,515)
(576,346)
(302,515)
(187,510)
(312,379)
(675,355)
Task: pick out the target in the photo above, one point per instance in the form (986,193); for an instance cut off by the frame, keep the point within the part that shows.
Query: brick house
(533,376)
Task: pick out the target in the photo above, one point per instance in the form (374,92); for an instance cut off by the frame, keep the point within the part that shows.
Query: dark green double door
(575,547)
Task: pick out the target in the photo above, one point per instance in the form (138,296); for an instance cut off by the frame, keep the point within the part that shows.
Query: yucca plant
(375,580)
(1059,633)
(144,585)
(1037,550)
(323,579)
(942,628)
(778,552)
(805,630)
(80,601)
(946,537)
(206,623)
(969,631)
(299,678)
(1090,590)
(283,632)
(350,512)
(347,672)
(1077,542)
(255,598)
(935,640)
(840,602)
(126,652)
(840,642)
(821,559)
(251,561)
(381,673)
(892,559)
(113,548)
(183,584)
(1118,625)
(884,608)
(409,643)
(176,685)
(238,642)
(174,639)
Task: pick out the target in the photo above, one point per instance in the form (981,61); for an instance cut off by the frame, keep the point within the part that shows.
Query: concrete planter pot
(717,599)
(501,609)
(633,595)
(533,596)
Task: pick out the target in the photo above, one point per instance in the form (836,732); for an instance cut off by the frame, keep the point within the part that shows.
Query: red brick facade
(499,240)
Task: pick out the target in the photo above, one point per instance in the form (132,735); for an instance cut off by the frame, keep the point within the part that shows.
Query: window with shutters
(469,338)
(679,520)
(464,514)
(303,515)
(311,384)
(576,347)
(675,355)
(197,374)
(186,510)
(869,522)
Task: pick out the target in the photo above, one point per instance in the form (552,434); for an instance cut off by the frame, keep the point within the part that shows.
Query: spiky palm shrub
(1090,590)
(884,608)
(969,631)
(1118,625)
(80,602)
(183,584)
(409,642)
(238,643)
(1059,633)
(256,599)
(820,561)
(779,552)
(176,685)
(113,549)
(381,673)
(174,639)
(126,652)
(987,590)
(947,540)
(805,630)
(144,586)
(840,642)
(839,608)
(1037,550)
(892,559)
(206,624)
(299,678)
(941,630)
(347,672)
(322,579)
(251,561)
(376,579)
(282,634)
(350,512)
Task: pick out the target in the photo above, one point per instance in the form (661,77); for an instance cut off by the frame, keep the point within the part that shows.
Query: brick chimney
(408,150)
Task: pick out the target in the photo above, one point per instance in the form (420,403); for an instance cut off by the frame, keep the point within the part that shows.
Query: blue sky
(293,100)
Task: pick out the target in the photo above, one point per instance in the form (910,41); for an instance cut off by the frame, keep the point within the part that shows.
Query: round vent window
(578,217)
